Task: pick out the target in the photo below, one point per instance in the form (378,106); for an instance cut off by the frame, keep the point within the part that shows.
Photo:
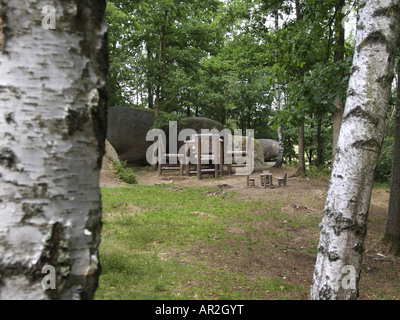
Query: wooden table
(266,180)
(196,142)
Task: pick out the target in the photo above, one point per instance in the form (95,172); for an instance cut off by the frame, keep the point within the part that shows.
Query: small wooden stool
(251,182)
(282,180)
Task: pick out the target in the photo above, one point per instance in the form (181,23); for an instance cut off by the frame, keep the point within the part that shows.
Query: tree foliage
(222,59)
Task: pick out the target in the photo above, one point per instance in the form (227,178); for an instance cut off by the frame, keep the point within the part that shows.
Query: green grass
(151,233)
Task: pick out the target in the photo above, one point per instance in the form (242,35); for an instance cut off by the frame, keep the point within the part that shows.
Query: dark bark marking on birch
(351,92)
(56,254)
(7,158)
(333,256)
(385,12)
(2,22)
(376,37)
(9,117)
(76,120)
(354,69)
(339,223)
(325,293)
(31,210)
(370,145)
(385,80)
(359,112)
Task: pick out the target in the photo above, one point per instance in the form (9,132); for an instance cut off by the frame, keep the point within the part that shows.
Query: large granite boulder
(127,130)
(199,123)
(258,151)
(196,124)
(270,148)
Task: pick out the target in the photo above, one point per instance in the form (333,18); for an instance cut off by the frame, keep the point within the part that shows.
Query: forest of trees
(246,64)
(279,67)
(265,65)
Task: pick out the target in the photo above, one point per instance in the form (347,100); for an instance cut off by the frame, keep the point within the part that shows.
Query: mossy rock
(270,148)
(258,151)
(109,158)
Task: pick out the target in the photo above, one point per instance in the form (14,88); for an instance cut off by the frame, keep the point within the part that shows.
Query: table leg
(198,146)
(221,158)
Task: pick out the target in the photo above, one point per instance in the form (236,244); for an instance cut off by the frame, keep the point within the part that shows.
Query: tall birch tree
(53,66)
(344,225)
(279,160)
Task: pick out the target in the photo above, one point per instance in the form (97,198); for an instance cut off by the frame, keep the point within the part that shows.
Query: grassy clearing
(165,242)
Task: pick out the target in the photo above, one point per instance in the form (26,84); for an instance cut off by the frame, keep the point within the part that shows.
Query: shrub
(124,173)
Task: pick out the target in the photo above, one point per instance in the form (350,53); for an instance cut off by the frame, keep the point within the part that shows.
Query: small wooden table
(266,180)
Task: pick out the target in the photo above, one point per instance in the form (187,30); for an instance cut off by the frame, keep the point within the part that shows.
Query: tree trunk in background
(279,160)
(320,144)
(337,124)
(339,56)
(160,61)
(225,103)
(392,234)
(301,171)
(344,225)
(149,85)
(53,123)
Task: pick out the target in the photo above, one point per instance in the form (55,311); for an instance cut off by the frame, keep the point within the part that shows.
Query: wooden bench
(207,148)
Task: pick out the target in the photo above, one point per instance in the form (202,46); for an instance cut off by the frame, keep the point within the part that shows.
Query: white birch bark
(279,161)
(52,123)
(344,226)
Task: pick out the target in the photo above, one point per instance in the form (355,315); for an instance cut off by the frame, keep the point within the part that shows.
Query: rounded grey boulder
(270,148)
(199,123)
(127,130)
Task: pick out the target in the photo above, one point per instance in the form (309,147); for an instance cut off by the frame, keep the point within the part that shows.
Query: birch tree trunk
(52,122)
(344,226)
